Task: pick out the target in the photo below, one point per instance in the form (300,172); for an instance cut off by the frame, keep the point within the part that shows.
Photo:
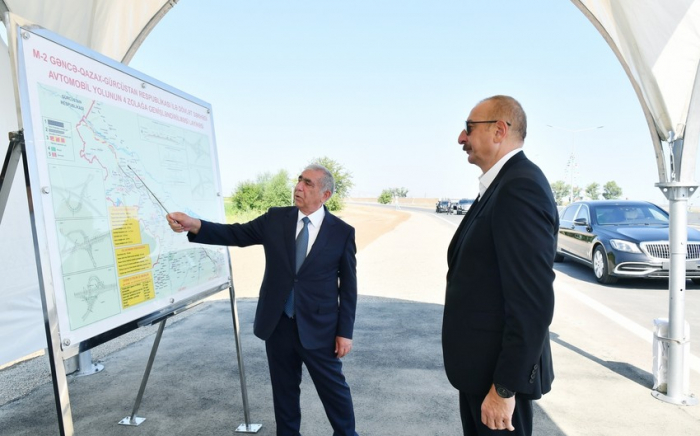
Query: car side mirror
(580,222)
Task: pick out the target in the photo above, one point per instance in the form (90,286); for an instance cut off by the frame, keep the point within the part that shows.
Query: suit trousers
(285,355)
(470,412)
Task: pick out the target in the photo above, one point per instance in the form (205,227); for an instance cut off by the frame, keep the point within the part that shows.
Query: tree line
(254,197)
(563,192)
(388,195)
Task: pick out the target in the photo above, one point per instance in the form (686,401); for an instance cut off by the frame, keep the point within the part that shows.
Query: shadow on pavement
(631,372)
(395,372)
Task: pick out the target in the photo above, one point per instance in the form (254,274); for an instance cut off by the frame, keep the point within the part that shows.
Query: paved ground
(602,362)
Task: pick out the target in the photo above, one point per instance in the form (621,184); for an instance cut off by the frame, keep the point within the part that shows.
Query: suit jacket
(499,299)
(325,288)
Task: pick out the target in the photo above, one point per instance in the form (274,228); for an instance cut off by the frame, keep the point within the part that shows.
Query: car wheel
(558,257)
(600,266)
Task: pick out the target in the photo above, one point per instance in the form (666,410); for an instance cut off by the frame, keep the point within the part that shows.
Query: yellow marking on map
(125,225)
(133,259)
(136,289)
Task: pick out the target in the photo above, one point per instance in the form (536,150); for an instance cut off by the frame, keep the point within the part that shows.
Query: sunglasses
(469,127)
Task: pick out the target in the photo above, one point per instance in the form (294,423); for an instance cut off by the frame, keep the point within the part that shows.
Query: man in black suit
(306,307)
(499,298)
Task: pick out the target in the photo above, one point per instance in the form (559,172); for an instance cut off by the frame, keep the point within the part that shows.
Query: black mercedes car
(622,239)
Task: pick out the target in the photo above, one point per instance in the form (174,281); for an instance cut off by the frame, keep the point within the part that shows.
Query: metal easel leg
(48,300)
(9,168)
(246,427)
(133,419)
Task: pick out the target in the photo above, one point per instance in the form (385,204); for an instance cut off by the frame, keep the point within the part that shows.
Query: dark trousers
(285,355)
(470,412)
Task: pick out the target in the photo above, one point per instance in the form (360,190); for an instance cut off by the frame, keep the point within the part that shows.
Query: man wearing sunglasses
(499,298)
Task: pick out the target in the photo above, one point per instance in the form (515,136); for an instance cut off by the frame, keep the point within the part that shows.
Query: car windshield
(466,201)
(631,215)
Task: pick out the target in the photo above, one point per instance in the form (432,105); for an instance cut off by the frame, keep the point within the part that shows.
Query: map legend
(58,139)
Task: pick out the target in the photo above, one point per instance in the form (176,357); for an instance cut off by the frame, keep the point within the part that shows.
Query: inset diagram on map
(85,244)
(92,296)
(77,192)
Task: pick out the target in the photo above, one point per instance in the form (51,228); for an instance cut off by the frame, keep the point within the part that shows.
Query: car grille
(662,250)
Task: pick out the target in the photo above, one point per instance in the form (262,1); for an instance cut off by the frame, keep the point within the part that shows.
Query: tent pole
(677,371)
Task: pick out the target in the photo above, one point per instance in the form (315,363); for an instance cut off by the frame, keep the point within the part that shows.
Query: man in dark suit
(499,298)
(306,307)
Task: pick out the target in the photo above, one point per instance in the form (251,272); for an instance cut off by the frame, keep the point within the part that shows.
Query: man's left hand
(497,412)
(342,346)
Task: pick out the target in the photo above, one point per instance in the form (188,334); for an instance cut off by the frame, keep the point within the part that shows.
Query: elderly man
(306,308)
(499,298)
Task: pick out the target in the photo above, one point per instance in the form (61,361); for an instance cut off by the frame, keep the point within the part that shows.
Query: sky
(384,87)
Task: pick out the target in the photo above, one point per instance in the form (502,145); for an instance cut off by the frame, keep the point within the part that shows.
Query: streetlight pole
(572,159)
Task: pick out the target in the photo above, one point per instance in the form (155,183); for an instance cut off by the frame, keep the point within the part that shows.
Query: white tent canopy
(657,44)
(113,28)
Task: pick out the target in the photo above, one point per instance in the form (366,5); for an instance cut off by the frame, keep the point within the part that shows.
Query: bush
(268,191)
(343,183)
(248,196)
(385,197)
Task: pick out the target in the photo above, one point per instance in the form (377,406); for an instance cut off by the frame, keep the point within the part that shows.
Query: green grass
(237,216)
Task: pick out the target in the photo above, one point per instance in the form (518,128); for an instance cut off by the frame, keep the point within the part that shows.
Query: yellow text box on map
(125,225)
(133,259)
(136,289)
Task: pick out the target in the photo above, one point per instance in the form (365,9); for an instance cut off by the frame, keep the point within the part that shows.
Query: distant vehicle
(443,206)
(463,205)
(621,239)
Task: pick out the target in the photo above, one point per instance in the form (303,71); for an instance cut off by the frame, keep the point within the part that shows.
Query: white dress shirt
(315,221)
(488,177)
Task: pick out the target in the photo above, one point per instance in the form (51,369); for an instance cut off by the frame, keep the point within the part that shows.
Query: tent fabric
(654,38)
(21,316)
(107,26)
(113,28)
(658,44)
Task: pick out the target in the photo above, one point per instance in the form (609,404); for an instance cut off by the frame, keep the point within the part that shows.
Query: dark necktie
(302,245)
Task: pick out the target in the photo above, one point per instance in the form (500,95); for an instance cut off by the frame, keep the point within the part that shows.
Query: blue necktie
(302,245)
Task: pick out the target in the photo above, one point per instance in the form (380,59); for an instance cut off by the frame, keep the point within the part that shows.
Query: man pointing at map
(306,307)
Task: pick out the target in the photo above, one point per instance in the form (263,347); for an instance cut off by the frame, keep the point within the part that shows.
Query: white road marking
(626,323)
(446,220)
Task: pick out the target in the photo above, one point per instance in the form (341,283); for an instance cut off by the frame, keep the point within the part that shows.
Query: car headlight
(626,246)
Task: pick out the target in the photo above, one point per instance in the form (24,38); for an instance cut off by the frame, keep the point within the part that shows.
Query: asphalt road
(600,344)
(639,300)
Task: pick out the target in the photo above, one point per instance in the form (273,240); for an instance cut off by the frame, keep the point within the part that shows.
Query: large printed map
(113,172)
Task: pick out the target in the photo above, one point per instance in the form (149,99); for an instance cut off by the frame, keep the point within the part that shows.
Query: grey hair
(327,180)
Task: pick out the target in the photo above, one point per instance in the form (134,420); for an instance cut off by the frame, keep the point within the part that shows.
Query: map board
(109,150)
